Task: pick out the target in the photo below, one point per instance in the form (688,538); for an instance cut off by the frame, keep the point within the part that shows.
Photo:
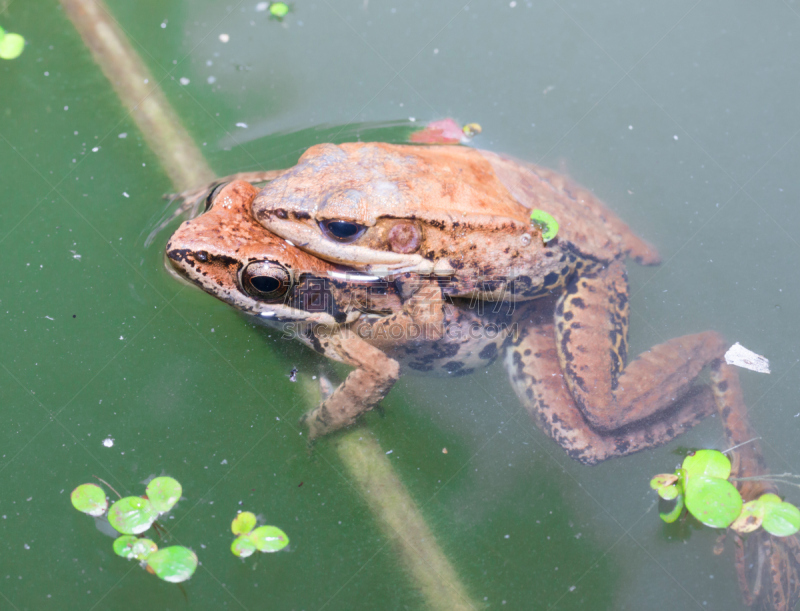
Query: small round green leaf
(123,546)
(2,32)
(672,515)
(242,546)
(709,463)
(90,499)
(243,523)
(132,515)
(781,519)
(668,492)
(174,564)
(163,493)
(713,501)
(663,479)
(11,46)
(279,9)
(546,223)
(769,498)
(269,538)
(130,547)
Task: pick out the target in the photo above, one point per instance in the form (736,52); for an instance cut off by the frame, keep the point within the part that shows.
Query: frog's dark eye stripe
(213,195)
(266,280)
(342,231)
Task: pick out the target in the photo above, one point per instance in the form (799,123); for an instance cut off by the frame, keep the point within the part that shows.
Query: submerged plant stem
(391,504)
(139,93)
(401,521)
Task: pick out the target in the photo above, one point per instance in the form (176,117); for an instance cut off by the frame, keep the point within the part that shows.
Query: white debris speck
(164,24)
(224,37)
(742,357)
(48,318)
(26,546)
(75,255)
(122,338)
(123,135)
(390,451)
(548,89)
(436,51)
(242,125)
(125,194)
(675,137)
(262,6)
(211,80)
(95,149)
(66,107)
(572,588)
(184,81)
(630,127)
(108,442)
(512,4)
(412,119)
(224,462)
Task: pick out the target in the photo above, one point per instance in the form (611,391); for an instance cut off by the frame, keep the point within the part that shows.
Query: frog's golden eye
(213,195)
(342,231)
(266,280)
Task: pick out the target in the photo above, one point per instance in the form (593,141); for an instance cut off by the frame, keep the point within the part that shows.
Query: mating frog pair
(565,352)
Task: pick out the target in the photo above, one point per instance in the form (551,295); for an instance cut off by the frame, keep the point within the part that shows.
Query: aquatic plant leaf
(174,564)
(668,492)
(709,463)
(132,515)
(269,538)
(123,546)
(279,9)
(90,499)
(672,515)
(129,546)
(750,519)
(781,519)
(770,498)
(243,546)
(546,223)
(163,493)
(243,523)
(11,46)
(663,479)
(713,501)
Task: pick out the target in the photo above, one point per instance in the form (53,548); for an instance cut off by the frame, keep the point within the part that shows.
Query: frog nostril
(342,231)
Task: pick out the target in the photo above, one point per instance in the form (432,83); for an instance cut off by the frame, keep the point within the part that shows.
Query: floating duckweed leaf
(750,519)
(174,564)
(279,9)
(770,498)
(663,479)
(243,546)
(243,523)
(130,547)
(713,501)
(123,546)
(672,515)
(132,515)
(90,499)
(11,46)
(709,463)
(163,493)
(546,223)
(781,519)
(668,492)
(269,538)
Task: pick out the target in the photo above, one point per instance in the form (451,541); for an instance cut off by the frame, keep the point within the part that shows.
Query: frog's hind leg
(536,376)
(592,342)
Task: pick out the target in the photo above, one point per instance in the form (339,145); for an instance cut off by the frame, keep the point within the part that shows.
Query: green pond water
(681,115)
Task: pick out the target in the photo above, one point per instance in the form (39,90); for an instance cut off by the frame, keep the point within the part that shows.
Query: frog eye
(342,231)
(266,280)
(213,195)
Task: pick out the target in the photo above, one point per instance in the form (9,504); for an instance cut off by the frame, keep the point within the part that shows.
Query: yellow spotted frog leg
(533,366)
(768,567)
(592,342)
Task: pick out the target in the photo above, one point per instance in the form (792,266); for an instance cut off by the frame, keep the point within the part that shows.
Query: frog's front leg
(373,377)
(592,340)
(536,376)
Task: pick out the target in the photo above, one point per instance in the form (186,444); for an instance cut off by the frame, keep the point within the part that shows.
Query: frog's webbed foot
(373,376)
(537,378)
(591,338)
